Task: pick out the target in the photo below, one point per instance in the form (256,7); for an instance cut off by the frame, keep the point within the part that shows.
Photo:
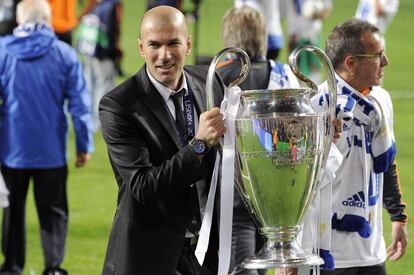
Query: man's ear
(189,44)
(140,47)
(350,63)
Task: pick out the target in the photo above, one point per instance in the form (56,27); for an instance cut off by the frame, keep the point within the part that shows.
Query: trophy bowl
(282,144)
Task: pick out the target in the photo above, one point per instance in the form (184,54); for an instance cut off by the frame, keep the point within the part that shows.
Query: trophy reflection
(282,144)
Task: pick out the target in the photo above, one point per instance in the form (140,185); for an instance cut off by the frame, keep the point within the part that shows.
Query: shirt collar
(342,83)
(164,91)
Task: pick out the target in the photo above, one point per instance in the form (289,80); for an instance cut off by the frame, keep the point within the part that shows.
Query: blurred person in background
(271,10)
(172,3)
(64,17)
(304,27)
(380,13)
(38,75)
(4,193)
(377,12)
(7,16)
(98,41)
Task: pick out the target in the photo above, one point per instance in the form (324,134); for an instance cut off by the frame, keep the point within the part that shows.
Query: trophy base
(281,255)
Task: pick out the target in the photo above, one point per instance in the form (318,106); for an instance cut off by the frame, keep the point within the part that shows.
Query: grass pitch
(93,191)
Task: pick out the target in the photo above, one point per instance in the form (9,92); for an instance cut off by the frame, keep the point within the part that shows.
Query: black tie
(179,113)
(195,221)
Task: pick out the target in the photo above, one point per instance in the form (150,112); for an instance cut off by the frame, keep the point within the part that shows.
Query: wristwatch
(199,146)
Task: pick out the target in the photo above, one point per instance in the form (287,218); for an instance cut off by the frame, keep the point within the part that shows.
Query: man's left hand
(82,159)
(399,241)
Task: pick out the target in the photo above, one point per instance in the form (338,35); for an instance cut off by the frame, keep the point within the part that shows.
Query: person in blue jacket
(38,75)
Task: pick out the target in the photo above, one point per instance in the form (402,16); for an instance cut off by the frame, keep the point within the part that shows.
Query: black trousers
(187,263)
(362,270)
(49,187)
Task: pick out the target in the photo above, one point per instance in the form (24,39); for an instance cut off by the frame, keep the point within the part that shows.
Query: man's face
(370,65)
(164,48)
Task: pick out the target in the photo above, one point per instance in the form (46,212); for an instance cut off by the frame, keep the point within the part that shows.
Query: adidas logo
(356,200)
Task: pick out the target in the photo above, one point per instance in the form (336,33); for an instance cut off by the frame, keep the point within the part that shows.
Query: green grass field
(93,190)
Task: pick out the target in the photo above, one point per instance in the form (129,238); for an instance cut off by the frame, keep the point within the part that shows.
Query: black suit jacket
(154,175)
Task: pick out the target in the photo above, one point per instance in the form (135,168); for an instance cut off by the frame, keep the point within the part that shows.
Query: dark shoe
(10,270)
(55,271)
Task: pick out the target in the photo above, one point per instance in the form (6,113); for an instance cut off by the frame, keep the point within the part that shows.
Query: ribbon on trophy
(229,107)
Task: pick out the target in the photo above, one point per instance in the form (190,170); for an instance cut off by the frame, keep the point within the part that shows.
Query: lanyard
(187,131)
(189,113)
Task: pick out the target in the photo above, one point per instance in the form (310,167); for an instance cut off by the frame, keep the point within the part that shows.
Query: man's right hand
(399,241)
(211,126)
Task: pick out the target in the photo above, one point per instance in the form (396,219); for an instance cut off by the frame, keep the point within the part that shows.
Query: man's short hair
(32,11)
(345,39)
(245,28)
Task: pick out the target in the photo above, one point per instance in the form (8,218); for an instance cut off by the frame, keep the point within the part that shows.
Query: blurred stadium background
(92,190)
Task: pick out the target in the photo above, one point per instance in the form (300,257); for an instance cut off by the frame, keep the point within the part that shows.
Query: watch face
(199,146)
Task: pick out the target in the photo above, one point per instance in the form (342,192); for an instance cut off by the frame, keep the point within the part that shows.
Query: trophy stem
(280,251)
(280,234)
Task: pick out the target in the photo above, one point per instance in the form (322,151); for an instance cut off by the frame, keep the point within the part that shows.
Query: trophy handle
(245,67)
(330,74)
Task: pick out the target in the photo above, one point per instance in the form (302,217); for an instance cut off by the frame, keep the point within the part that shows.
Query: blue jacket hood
(29,40)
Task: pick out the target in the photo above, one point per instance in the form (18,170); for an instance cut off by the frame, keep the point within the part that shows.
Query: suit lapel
(155,103)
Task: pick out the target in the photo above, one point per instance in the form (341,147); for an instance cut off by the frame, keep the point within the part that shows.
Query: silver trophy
(283,145)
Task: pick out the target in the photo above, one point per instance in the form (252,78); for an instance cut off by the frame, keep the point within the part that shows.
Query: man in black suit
(160,155)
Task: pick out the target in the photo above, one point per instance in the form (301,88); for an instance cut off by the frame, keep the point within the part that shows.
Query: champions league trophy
(283,145)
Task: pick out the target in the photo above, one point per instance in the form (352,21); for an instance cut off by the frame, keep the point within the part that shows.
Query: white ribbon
(229,107)
(202,244)
(227,179)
